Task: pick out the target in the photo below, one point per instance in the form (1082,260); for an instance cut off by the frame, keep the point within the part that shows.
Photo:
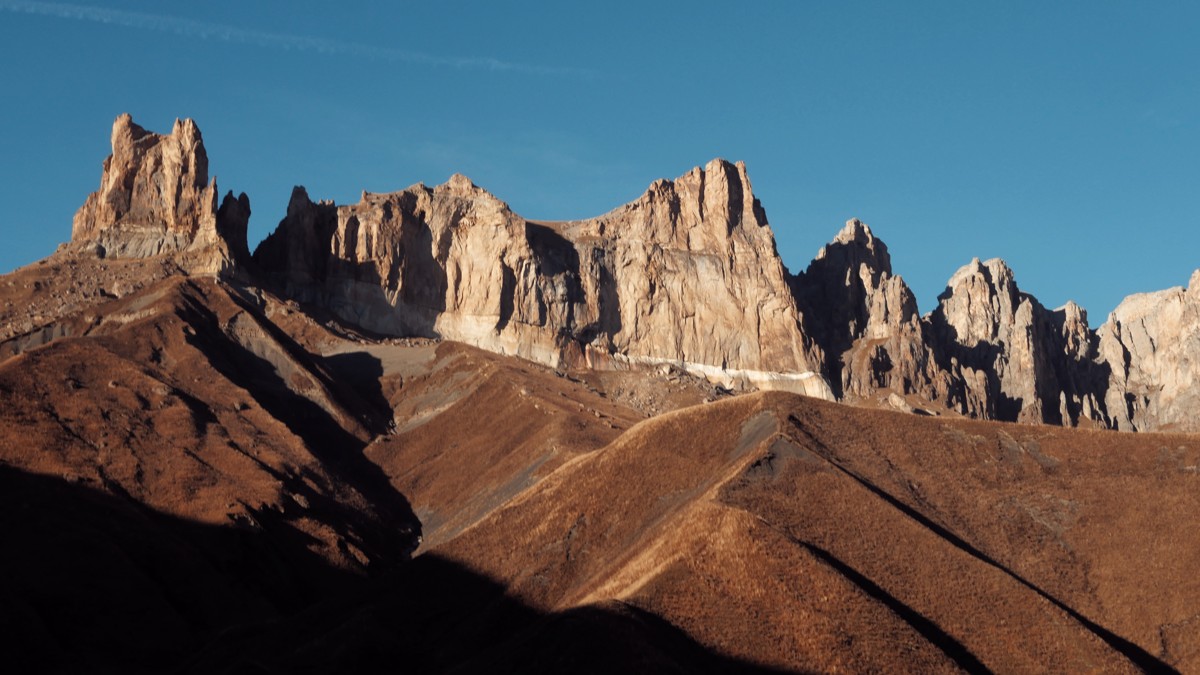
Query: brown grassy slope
(773,529)
(176,387)
(474,430)
(36,298)
(787,531)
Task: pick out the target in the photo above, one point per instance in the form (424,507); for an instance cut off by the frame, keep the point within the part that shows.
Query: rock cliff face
(866,321)
(1015,359)
(686,275)
(155,198)
(988,350)
(1151,347)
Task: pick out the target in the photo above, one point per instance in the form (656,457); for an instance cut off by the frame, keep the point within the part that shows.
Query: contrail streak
(225,33)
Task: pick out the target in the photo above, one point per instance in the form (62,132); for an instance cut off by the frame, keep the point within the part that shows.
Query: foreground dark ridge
(122,588)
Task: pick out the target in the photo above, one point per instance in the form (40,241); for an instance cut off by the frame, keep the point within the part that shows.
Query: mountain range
(422,432)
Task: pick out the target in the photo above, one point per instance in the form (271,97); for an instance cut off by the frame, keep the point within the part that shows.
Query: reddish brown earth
(198,476)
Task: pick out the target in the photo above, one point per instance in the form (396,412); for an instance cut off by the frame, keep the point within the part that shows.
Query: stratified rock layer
(155,198)
(686,275)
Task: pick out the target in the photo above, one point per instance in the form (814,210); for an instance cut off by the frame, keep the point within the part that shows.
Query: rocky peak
(156,198)
(857,235)
(1017,360)
(864,318)
(857,252)
(703,210)
(460,184)
(980,302)
(1148,346)
(1072,322)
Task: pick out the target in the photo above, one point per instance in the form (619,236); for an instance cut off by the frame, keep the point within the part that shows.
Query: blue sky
(1061,137)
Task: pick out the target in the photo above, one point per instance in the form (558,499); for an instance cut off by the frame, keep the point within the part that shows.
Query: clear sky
(1062,137)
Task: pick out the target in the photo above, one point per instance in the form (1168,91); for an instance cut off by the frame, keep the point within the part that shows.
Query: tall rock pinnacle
(865,319)
(156,198)
(1017,360)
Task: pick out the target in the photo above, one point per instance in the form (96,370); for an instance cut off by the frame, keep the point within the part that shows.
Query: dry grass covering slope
(196,475)
(789,532)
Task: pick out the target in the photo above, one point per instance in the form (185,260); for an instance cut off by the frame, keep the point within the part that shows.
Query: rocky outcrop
(988,350)
(686,275)
(156,198)
(697,280)
(866,322)
(1150,345)
(1014,359)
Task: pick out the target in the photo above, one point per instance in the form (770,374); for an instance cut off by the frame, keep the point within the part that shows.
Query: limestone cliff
(156,198)
(988,350)
(685,275)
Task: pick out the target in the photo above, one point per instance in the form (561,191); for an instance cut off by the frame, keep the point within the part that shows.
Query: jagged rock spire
(156,198)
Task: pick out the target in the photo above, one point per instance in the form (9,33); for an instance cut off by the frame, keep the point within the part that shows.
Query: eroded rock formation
(1151,347)
(866,321)
(156,198)
(686,275)
(988,350)
(1015,359)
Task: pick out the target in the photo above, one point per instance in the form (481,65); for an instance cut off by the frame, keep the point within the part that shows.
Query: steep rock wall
(156,198)
(686,275)
(1151,347)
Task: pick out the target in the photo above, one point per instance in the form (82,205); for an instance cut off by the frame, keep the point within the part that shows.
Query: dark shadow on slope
(348,397)
(1136,654)
(929,630)
(437,616)
(323,434)
(363,373)
(96,582)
